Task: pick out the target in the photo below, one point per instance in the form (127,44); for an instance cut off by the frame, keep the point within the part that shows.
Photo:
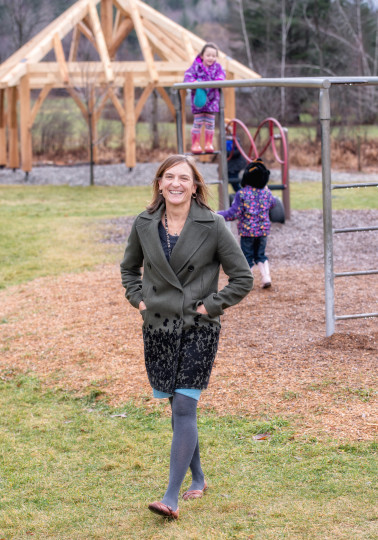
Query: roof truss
(167,48)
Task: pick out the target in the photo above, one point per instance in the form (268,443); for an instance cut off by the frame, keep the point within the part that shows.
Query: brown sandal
(163,510)
(195,493)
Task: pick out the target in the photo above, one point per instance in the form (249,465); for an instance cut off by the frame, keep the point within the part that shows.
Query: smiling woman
(181,245)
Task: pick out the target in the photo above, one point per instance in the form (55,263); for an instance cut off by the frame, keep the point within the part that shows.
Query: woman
(181,244)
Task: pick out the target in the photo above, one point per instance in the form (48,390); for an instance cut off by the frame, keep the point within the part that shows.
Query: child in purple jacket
(251,207)
(205,68)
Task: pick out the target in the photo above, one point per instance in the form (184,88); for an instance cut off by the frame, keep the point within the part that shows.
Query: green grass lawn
(47,230)
(70,469)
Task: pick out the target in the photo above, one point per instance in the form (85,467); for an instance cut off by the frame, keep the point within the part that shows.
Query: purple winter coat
(198,72)
(251,208)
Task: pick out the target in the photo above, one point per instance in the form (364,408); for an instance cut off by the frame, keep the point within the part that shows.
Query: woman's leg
(198,478)
(184,442)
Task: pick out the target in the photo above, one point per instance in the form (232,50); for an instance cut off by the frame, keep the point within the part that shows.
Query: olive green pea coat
(179,343)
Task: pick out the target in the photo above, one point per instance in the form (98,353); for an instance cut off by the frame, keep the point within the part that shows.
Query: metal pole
(223,173)
(180,143)
(286,192)
(325,119)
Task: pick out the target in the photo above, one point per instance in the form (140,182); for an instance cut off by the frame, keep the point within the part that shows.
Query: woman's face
(177,185)
(209,56)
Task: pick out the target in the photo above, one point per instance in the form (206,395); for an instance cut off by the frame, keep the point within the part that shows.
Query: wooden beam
(123,30)
(229,99)
(129,97)
(74,44)
(76,97)
(117,104)
(16,66)
(167,100)
(101,104)
(48,73)
(3,129)
(107,20)
(38,103)
(59,55)
(101,45)
(171,48)
(25,129)
(85,30)
(142,100)
(165,52)
(167,25)
(131,7)
(13,150)
(117,21)
(188,47)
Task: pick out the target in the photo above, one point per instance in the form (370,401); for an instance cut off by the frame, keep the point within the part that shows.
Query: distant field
(59,229)
(62,127)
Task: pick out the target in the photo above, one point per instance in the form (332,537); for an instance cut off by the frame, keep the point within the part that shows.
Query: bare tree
(245,35)
(90,96)
(286,22)
(25,18)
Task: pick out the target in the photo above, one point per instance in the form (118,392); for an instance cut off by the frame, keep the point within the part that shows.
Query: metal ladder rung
(354,229)
(211,182)
(347,186)
(277,186)
(356,316)
(359,273)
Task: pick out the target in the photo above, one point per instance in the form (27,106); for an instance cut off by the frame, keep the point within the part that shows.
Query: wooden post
(3,138)
(13,155)
(107,21)
(229,99)
(129,99)
(25,127)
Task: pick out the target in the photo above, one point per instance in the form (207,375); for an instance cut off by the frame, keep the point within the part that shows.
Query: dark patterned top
(163,239)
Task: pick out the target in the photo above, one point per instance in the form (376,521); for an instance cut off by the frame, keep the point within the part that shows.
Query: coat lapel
(149,235)
(193,235)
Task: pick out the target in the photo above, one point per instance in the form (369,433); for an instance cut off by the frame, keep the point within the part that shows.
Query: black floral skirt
(179,358)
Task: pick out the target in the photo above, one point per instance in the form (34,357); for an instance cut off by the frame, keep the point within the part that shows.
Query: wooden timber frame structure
(167,48)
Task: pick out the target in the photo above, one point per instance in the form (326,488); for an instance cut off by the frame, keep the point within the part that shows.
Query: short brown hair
(202,192)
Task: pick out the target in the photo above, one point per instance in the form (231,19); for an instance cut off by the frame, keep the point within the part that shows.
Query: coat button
(149,265)
(154,288)
(190,268)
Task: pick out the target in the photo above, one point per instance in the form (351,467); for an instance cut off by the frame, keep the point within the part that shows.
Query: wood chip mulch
(78,332)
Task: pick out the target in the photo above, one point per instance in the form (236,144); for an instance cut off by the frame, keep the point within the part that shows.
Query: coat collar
(192,236)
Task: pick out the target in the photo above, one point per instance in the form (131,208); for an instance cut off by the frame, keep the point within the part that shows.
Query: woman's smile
(177,185)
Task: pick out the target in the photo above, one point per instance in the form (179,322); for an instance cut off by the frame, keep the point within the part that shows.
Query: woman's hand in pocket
(201,309)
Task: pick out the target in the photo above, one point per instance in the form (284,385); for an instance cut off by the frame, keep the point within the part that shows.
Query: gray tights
(185,448)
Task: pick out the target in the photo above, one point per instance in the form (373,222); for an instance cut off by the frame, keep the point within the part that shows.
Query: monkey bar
(323,84)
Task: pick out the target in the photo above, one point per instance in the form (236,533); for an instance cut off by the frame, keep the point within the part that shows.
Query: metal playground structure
(323,85)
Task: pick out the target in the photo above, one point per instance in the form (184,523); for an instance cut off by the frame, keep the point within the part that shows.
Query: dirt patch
(78,332)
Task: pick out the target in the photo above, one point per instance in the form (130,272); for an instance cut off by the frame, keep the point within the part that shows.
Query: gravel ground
(143,173)
(299,242)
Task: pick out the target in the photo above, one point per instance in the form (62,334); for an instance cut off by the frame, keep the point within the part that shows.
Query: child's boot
(209,141)
(265,274)
(196,147)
